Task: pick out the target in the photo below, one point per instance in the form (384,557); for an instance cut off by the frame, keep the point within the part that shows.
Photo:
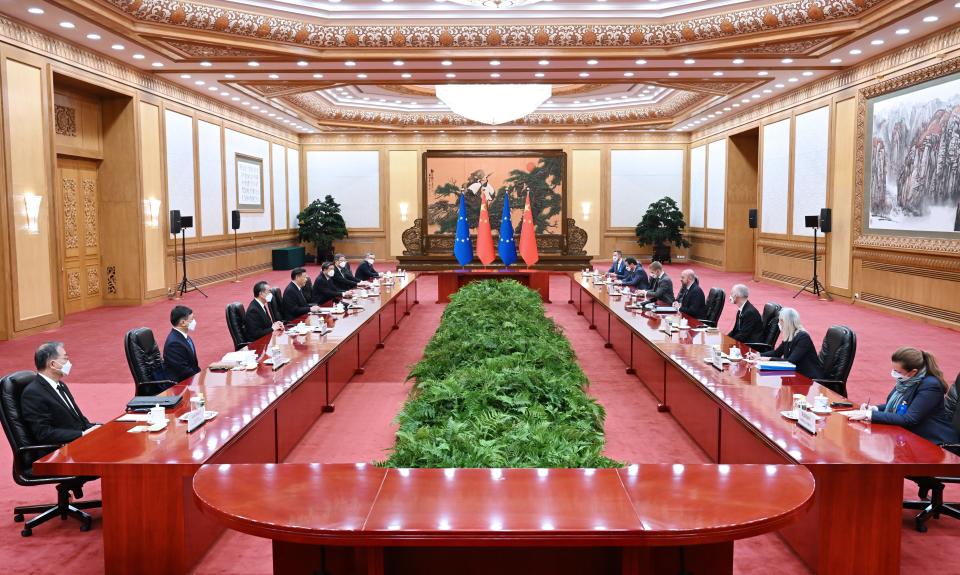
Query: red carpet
(361,428)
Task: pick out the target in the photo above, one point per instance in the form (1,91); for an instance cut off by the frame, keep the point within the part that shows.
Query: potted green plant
(661,226)
(320,223)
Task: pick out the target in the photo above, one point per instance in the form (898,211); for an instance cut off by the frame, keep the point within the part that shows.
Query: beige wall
(404,187)
(586,185)
(151,176)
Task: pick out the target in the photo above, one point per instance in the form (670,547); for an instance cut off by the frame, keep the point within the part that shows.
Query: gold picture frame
(249,179)
(864,236)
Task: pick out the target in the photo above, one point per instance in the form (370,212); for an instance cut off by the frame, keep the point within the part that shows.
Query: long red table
(150,522)
(734,416)
(448,282)
(346,519)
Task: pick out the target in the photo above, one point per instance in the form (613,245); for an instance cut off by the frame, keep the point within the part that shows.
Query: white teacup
(734,351)
(821,402)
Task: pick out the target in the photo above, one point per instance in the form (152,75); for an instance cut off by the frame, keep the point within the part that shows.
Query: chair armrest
(708,323)
(952,447)
(833,384)
(160,382)
(760,347)
(28,448)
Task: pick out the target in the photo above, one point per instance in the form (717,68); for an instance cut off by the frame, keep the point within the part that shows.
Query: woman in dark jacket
(916,402)
(795,346)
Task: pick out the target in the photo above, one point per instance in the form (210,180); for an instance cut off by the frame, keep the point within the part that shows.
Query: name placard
(807,420)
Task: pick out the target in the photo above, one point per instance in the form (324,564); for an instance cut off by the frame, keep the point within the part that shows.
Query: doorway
(79,191)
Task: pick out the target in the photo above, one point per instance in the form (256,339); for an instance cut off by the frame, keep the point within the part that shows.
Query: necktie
(738,320)
(63,396)
(190,343)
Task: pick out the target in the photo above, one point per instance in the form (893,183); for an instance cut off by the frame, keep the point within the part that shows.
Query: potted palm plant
(320,223)
(661,226)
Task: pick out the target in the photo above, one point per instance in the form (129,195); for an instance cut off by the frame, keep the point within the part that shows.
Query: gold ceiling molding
(775,17)
(799,47)
(869,71)
(662,112)
(528,139)
(714,87)
(55,48)
(188,50)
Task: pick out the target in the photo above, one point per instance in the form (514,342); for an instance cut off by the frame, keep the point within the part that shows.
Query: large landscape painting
(494,175)
(912,179)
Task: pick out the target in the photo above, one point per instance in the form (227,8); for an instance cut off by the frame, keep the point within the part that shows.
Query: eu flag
(506,247)
(462,248)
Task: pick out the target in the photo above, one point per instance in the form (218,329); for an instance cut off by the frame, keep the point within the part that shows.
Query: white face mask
(330,273)
(898,376)
(342,264)
(66,367)
(732,301)
(269,297)
(192,325)
(370,261)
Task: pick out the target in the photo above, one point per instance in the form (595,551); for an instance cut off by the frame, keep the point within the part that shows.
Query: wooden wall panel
(403,186)
(29,164)
(841,199)
(917,286)
(789,262)
(707,248)
(742,173)
(151,173)
(76,125)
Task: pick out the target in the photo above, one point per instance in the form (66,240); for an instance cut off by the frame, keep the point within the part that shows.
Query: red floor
(361,429)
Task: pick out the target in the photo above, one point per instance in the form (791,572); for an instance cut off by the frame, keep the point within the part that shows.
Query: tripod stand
(814,284)
(184,283)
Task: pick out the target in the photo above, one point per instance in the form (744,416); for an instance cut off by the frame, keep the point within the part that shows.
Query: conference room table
(150,521)
(734,415)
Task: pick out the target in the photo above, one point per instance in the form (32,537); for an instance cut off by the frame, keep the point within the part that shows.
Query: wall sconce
(151,208)
(31,204)
(585,207)
(404,210)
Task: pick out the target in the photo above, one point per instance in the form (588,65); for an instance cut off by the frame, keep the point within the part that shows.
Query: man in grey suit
(661,286)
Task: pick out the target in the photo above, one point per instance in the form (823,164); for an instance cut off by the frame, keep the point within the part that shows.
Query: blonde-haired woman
(796,346)
(916,401)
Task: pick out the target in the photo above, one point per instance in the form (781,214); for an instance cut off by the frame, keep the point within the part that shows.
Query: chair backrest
(837,352)
(771,324)
(143,356)
(235,314)
(18,435)
(308,290)
(952,403)
(276,307)
(715,300)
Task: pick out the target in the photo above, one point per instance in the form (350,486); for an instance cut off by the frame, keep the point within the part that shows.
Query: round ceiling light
(493,104)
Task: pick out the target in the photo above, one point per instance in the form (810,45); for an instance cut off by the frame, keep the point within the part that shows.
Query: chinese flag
(528,236)
(484,235)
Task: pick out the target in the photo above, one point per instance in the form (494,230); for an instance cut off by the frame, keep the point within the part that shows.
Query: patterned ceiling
(372,65)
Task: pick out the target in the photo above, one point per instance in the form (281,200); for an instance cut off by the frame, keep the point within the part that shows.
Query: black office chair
(770,319)
(837,353)
(715,300)
(25,452)
(308,291)
(934,506)
(235,314)
(276,305)
(145,361)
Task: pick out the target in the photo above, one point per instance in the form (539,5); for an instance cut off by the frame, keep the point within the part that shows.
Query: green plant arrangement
(320,223)
(499,386)
(661,226)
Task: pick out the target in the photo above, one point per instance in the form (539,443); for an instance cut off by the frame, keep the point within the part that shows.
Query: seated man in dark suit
(294,300)
(179,352)
(325,289)
(661,286)
(342,276)
(619,266)
(258,321)
(690,300)
(748,326)
(365,271)
(48,407)
(634,277)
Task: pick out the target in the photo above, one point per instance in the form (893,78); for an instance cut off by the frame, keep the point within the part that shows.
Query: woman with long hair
(917,399)
(796,346)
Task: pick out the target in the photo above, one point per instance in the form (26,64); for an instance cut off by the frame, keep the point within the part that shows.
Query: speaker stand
(185,284)
(236,259)
(814,285)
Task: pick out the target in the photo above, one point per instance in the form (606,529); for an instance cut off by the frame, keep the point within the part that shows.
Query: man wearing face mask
(294,299)
(325,289)
(259,321)
(748,327)
(52,414)
(619,266)
(342,276)
(179,352)
(661,286)
(365,271)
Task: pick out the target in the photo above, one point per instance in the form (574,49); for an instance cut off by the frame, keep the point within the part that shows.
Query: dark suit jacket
(801,352)
(692,301)
(925,416)
(365,272)
(619,268)
(49,419)
(661,289)
(748,328)
(636,279)
(325,290)
(343,279)
(294,302)
(256,322)
(178,359)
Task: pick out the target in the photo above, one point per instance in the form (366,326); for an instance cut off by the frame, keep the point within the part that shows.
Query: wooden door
(80,225)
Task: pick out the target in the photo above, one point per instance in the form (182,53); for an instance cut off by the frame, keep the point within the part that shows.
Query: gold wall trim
(799,247)
(40,43)
(913,261)
(519,138)
(911,307)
